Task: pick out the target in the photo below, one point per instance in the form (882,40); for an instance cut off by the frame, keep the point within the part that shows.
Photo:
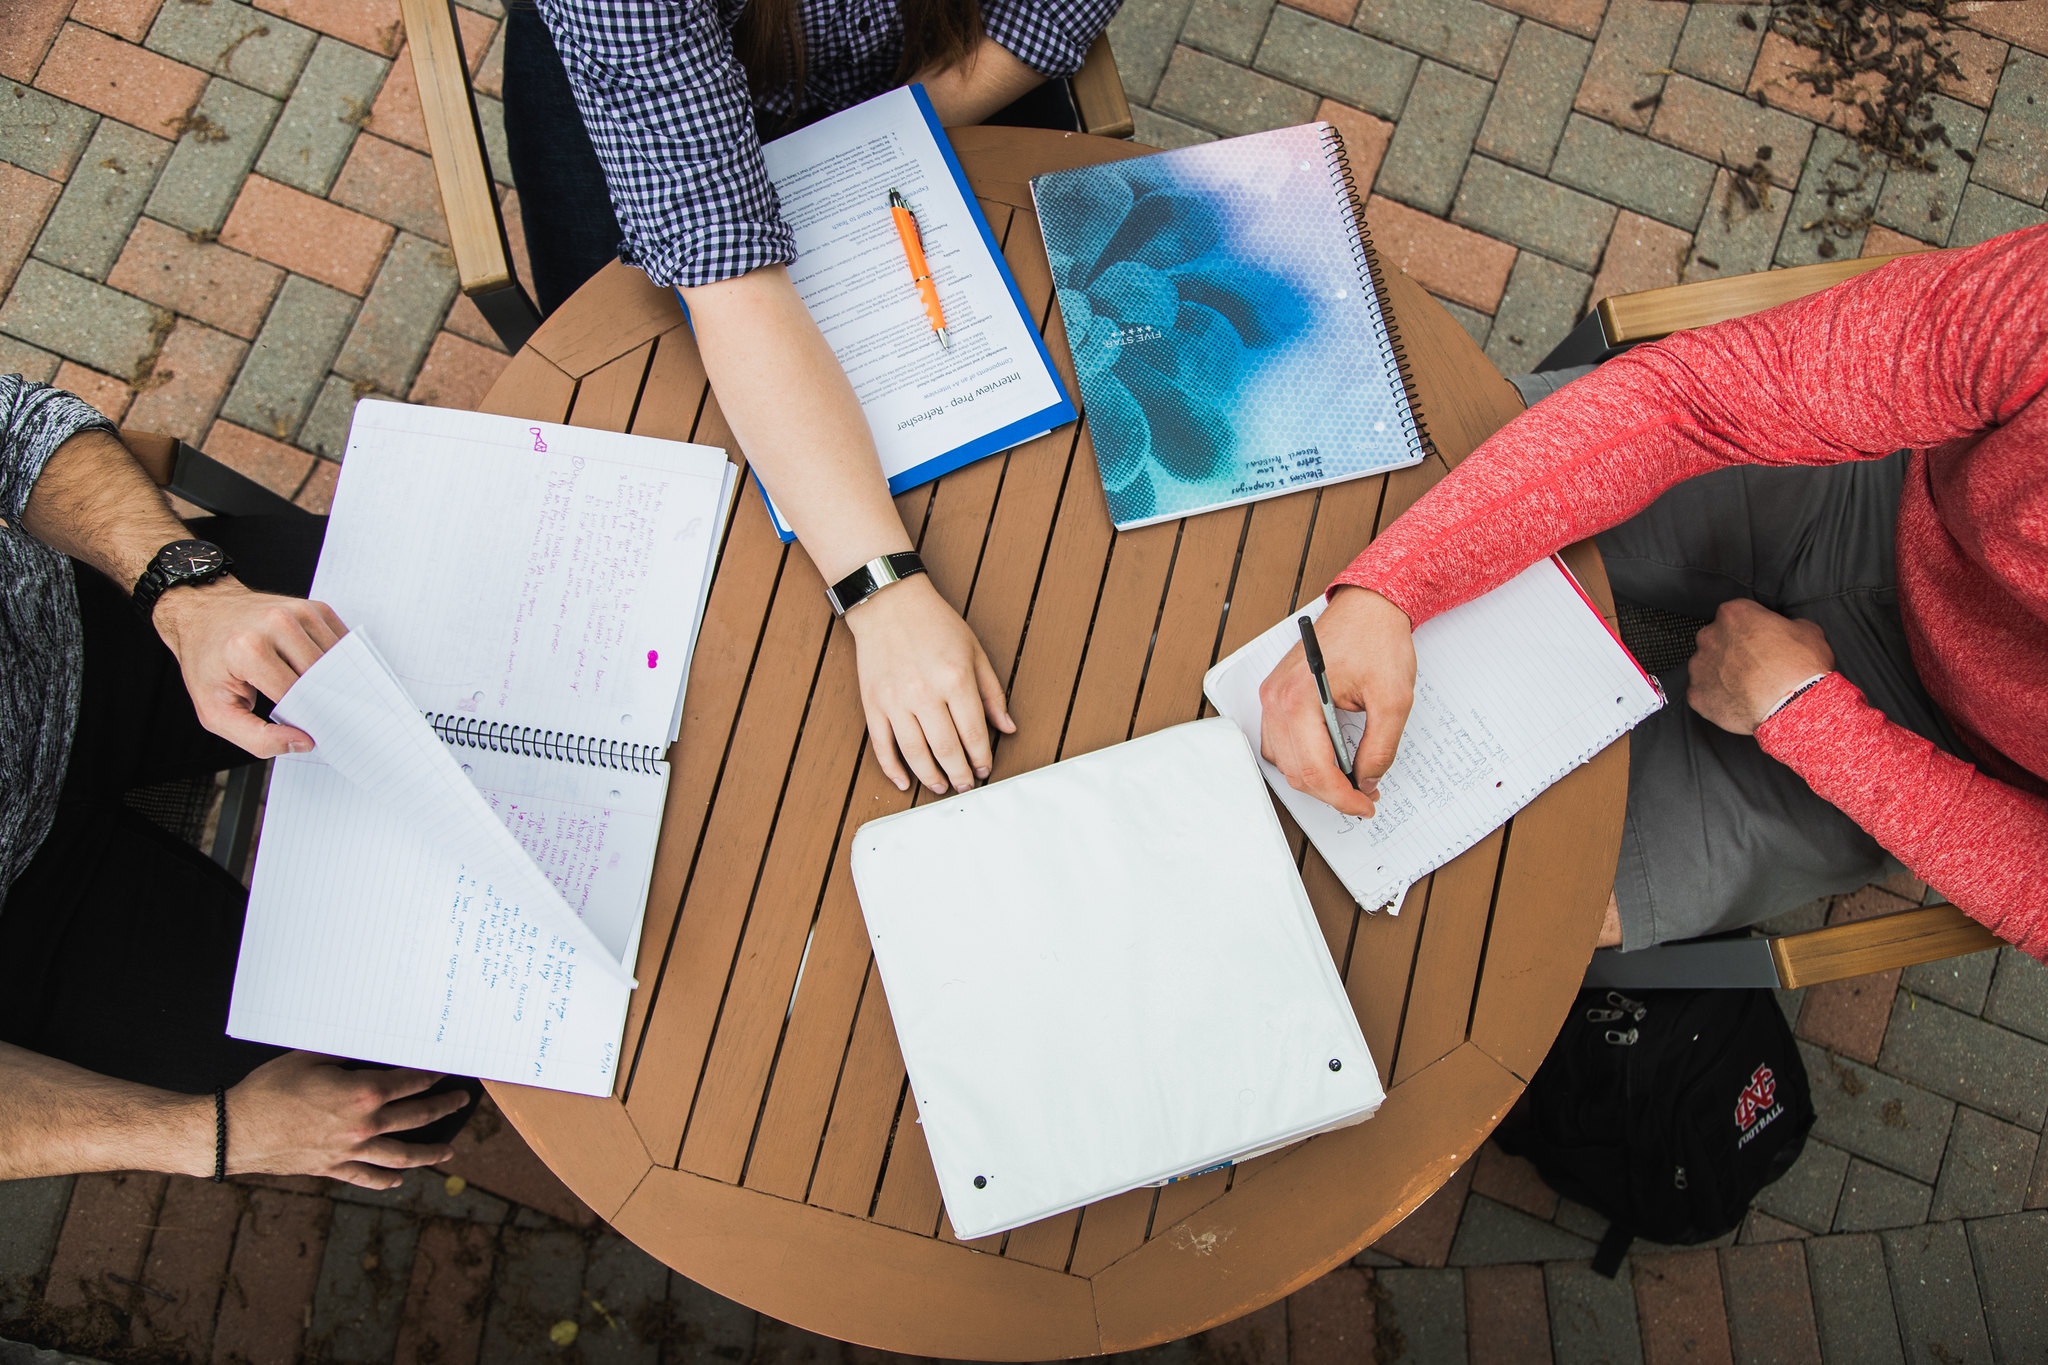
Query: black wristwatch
(870,578)
(182,563)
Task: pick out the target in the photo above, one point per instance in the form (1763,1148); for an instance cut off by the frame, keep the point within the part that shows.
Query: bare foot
(1610,926)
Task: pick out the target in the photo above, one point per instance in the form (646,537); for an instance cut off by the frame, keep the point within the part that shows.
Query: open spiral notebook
(455,877)
(1513,690)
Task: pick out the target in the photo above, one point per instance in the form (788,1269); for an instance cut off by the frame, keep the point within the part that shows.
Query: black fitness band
(220,1135)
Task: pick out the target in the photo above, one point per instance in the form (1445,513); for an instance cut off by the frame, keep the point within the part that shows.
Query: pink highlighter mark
(653,658)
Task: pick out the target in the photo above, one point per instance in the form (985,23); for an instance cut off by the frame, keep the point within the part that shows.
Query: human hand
(1369,658)
(1748,659)
(925,684)
(303,1114)
(232,643)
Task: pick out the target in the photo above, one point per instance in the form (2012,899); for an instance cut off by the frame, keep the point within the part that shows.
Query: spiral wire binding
(498,737)
(1368,263)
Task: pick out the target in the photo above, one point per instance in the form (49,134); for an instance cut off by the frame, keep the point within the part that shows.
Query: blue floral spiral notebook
(1227,322)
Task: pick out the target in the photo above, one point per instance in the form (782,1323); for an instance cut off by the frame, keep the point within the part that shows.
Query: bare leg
(1610,926)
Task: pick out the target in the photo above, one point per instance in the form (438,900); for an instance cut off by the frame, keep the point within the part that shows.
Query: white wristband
(1791,696)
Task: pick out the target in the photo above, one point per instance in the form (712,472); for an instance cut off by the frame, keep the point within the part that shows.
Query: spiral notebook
(533,592)
(1228,323)
(1513,690)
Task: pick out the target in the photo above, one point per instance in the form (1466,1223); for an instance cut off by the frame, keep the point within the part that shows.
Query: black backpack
(1666,1111)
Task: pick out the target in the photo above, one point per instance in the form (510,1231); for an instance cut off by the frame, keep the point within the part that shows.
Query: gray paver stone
(1635,47)
(290,358)
(232,39)
(30,362)
(1934,1287)
(1517,207)
(1537,310)
(1959,982)
(325,430)
(1807,1194)
(1834,170)
(1873,1198)
(1730,130)
(398,320)
(82,320)
(40,132)
(1475,323)
(1201,90)
(1372,1259)
(1986,214)
(1592,1318)
(1714,45)
(1736,238)
(523,1217)
(206,170)
(2014,157)
(1230,29)
(1426,158)
(1852,1300)
(2019,994)
(1427,1309)
(2011,1257)
(490,118)
(1577,1218)
(1624,168)
(31,1215)
(1491,1233)
(361,1291)
(1923,205)
(1534,97)
(1876,1116)
(310,143)
(1466,33)
(714,1329)
(538,1283)
(1955,1054)
(102,200)
(1142,36)
(624,1294)
(1155,129)
(1363,72)
(1790,1002)
(1986,1169)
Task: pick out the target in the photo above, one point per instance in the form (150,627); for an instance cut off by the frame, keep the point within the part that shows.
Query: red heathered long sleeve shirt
(1944,353)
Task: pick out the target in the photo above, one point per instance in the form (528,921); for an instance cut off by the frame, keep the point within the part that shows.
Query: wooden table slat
(1268,568)
(1447,959)
(533,387)
(606,397)
(1049,1242)
(910,1187)
(1382,962)
(1184,645)
(616,311)
(1111,1229)
(864,1110)
(1347,518)
(1180,1199)
(1106,694)
(672,400)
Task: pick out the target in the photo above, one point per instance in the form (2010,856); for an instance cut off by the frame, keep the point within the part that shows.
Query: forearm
(796,417)
(59,1119)
(989,79)
(96,504)
(1980,842)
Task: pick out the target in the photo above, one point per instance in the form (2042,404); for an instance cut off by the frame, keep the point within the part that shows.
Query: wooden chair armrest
(1878,945)
(1099,94)
(157,454)
(476,231)
(1652,313)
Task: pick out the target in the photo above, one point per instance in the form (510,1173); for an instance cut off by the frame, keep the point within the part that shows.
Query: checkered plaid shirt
(668,110)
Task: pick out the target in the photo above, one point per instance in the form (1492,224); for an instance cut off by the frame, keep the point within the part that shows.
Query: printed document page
(833,179)
(1512,691)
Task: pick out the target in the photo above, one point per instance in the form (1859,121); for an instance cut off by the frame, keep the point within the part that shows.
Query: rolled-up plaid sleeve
(35,419)
(666,104)
(1051,39)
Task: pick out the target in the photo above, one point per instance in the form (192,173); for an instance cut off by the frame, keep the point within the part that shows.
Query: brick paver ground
(217,220)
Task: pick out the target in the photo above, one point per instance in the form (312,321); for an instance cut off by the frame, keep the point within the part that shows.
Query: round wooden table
(766,1146)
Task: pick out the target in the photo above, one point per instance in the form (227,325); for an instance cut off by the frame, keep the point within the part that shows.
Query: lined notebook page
(393,915)
(525,572)
(1512,691)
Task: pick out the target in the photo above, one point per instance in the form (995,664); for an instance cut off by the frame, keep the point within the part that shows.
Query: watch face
(187,558)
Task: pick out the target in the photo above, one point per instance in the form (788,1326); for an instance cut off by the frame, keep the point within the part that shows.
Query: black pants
(571,230)
(119,938)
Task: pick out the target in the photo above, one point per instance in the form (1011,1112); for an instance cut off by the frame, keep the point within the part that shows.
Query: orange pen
(920,273)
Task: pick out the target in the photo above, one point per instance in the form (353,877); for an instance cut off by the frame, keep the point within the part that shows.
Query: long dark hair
(769,40)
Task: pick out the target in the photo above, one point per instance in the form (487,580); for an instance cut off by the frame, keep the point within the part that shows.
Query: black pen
(1315,666)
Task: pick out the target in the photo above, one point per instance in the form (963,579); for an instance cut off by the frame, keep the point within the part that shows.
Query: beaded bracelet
(220,1135)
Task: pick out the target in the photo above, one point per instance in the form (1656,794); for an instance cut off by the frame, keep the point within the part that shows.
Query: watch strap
(158,579)
(870,578)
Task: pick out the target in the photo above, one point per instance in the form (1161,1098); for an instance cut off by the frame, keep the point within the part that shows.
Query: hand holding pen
(1367,652)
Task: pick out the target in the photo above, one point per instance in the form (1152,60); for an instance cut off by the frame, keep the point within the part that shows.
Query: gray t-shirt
(42,648)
